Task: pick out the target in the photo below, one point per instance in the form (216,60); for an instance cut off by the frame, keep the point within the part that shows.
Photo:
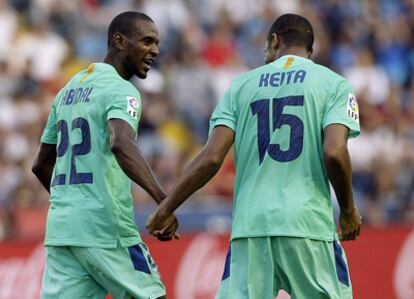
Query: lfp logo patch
(352,107)
(132,106)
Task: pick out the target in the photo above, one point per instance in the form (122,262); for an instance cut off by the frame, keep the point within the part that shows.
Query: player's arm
(132,162)
(44,163)
(200,170)
(130,159)
(338,166)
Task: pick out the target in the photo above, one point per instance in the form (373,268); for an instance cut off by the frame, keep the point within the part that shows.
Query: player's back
(281,184)
(90,202)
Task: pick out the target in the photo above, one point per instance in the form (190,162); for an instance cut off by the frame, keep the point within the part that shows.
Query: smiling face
(142,48)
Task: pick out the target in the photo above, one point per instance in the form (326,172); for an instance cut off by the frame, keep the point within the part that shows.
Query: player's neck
(297,51)
(118,65)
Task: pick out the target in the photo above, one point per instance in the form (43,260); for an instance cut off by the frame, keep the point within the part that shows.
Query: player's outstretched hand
(163,225)
(350,224)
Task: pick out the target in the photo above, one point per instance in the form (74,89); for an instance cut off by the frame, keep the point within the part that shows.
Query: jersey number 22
(82,148)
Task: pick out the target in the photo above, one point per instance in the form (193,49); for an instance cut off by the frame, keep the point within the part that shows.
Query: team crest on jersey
(352,107)
(132,106)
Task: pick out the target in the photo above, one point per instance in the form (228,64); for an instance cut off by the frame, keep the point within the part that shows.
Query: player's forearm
(338,166)
(43,174)
(137,169)
(195,176)
(44,163)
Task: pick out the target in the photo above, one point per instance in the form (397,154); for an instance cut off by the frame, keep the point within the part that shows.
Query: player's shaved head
(125,23)
(294,30)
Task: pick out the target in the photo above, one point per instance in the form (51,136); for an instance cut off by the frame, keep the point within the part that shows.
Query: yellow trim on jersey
(289,62)
(90,71)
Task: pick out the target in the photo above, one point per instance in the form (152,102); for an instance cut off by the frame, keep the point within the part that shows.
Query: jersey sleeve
(342,108)
(125,105)
(50,131)
(225,112)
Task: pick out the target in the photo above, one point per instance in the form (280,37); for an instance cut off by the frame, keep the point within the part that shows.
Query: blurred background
(204,45)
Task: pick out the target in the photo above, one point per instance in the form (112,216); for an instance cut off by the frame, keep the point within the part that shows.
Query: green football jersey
(90,201)
(278,112)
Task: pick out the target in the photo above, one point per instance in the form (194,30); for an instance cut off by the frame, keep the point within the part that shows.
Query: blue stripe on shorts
(341,267)
(226,272)
(138,259)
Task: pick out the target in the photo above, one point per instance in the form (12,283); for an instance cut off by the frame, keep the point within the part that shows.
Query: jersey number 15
(261,109)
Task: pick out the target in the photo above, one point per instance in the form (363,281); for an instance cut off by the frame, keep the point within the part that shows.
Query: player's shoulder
(61,91)
(120,85)
(328,74)
(112,82)
(246,77)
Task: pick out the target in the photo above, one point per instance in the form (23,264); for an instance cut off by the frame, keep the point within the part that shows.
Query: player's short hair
(124,23)
(294,30)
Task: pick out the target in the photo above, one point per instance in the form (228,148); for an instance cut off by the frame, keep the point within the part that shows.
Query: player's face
(143,48)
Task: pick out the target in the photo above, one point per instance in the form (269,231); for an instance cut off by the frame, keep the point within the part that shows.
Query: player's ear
(119,41)
(275,41)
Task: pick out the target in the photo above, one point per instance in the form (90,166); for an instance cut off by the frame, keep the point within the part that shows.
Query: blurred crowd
(204,44)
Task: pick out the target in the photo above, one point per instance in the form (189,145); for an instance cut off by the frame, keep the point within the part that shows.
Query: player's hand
(169,232)
(350,223)
(163,225)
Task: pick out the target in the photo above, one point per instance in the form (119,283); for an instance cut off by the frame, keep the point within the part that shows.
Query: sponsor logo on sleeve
(352,107)
(132,106)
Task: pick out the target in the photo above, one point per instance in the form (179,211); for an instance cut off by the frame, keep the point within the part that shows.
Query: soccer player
(87,159)
(289,121)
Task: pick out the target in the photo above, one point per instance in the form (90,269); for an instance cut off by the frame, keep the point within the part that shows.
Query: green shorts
(84,272)
(304,268)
